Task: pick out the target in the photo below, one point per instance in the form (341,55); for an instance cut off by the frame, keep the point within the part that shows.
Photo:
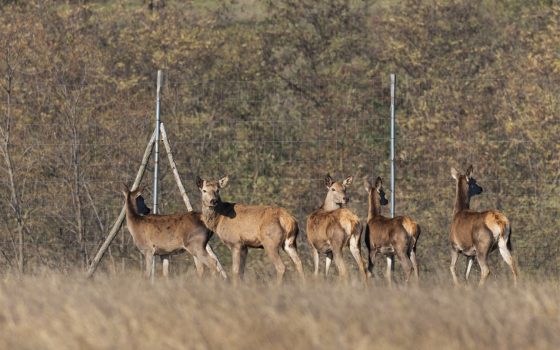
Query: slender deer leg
(315,254)
(414,263)
(203,257)
(290,248)
(484,270)
(355,250)
(406,265)
(199,266)
(340,265)
(371,260)
(165,265)
(235,263)
(149,255)
(388,273)
(506,255)
(243,261)
(454,257)
(153,270)
(470,260)
(328,262)
(272,251)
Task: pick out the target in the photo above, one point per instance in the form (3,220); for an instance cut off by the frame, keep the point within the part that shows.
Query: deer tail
(290,226)
(508,232)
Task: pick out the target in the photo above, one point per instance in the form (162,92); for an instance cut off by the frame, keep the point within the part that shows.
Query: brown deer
(332,227)
(389,236)
(165,235)
(477,234)
(249,226)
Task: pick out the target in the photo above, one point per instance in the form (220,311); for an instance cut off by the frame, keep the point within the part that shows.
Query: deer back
(251,224)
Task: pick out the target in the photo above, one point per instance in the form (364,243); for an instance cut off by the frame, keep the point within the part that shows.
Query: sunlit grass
(54,311)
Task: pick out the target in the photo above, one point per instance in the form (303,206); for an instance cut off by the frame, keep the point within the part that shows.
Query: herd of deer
(330,228)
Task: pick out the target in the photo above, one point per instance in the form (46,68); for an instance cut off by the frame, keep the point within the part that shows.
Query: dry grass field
(55,311)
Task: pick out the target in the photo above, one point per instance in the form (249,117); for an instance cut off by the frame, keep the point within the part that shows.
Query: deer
(241,226)
(389,236)
(477,234)
(332,227)
(166,235)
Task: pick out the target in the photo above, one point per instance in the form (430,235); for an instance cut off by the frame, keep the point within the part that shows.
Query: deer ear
(223,181)
(138,191)
(367,184)
(378,183)
(348,181)
(199,182)
(469,171)
(328,181)
(454,173)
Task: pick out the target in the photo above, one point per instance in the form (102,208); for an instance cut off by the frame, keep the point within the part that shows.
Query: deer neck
(374,204)
(129,204)
(461,200)
(211,216)
(131,215)
(329,204)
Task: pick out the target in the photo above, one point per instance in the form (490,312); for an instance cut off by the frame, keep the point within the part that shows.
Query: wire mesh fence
(73,145)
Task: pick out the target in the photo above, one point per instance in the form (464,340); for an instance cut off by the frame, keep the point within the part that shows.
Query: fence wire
(276,144)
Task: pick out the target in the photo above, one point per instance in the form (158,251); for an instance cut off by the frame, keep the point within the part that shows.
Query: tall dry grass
(55,311)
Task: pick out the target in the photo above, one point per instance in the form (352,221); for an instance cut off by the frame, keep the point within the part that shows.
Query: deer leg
(165,265)
(454,257)
(272,251)
(506,255)
(290,248)
(199,266)
(371,260)
(389,271)
(340,265)
(406,265)
(470,260)
(149,255)
(315,254)
(235,263)
(218,264)
(242,261)
(203,257)
(414,263)
(328,262)
(355,250)
(484,270)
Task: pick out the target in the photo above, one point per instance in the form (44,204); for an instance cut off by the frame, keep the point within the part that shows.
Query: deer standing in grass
(165,235)
(389,236)
(476,234)
(332,227)
(249,226)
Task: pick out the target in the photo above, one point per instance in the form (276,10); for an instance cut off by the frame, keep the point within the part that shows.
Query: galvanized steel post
(393,85)
(156,160)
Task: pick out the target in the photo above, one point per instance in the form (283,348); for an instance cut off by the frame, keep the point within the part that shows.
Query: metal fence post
(393,85)
(156,160)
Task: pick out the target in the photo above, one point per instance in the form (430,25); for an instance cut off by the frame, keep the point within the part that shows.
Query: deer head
(466,184)
(133,194)
(376,190)
(141,207)
(210,190)
(336,195)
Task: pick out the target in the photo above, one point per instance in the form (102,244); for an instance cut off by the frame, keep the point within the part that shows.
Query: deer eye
(332,189)
(204,191)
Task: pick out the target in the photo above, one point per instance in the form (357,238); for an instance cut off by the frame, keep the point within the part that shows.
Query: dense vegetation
(276,94)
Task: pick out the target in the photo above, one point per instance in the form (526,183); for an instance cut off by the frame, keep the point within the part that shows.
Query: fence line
(275,154)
